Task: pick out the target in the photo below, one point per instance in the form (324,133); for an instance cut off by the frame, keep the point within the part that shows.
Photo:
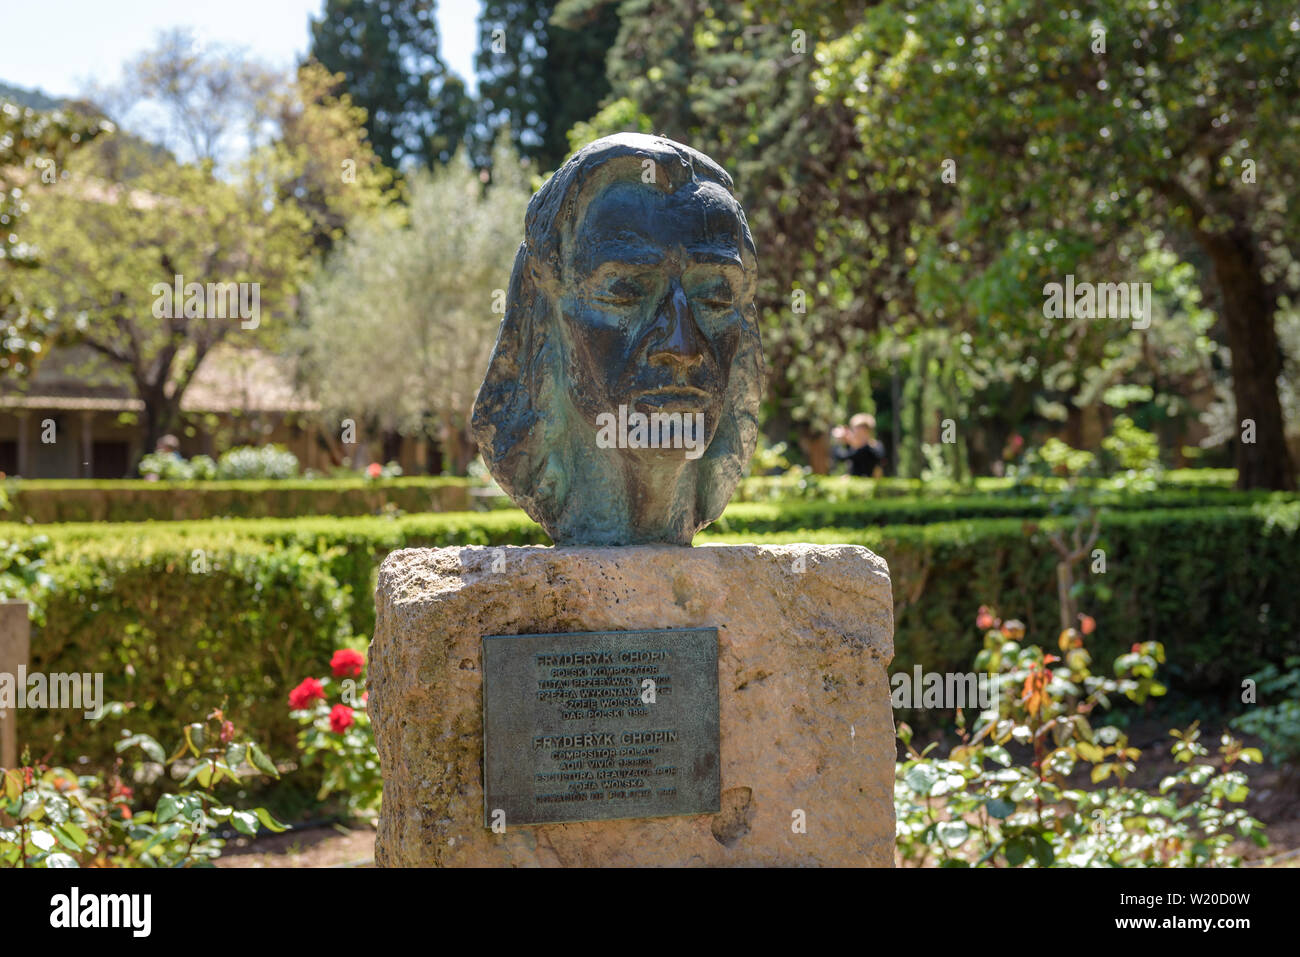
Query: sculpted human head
(631,303)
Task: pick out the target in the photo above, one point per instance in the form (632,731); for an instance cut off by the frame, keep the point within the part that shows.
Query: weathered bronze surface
(600,725)
(631,304)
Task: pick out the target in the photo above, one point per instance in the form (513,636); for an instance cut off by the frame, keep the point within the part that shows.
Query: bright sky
(58,46)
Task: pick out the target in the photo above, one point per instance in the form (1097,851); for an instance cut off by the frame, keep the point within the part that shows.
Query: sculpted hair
(513,422)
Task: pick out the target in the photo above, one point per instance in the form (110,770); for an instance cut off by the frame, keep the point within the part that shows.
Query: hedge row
(140,501)
(763,518)
(513,526)
(179,634)
(1218,586)
(48,501)
(180,616)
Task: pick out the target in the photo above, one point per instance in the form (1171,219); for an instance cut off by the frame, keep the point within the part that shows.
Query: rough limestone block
(806,722)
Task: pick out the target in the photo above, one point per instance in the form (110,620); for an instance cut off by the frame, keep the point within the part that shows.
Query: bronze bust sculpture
(620,404)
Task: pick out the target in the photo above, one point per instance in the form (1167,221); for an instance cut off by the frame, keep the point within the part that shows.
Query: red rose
(984,620)
(340,718)
(347,663)
(1135,650)
(307,692)
(374,470)
(1087,624)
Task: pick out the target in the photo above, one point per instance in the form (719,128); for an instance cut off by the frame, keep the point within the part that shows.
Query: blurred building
(71,420)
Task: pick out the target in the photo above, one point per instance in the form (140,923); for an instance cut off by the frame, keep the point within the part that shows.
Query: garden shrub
(58,500)
(1273,713)
(257,462)
(988,804)
(169,467)
(1216,585)
(60,818)
(176,627)
(75,500)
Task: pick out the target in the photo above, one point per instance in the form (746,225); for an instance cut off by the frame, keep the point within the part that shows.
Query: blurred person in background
(169,446)
(857,444)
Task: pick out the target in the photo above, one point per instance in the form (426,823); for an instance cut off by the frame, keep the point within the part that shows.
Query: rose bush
(336,735)
(53,817)
(1003,796)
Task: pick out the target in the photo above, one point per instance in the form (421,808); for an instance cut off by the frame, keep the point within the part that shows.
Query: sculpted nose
(680,342)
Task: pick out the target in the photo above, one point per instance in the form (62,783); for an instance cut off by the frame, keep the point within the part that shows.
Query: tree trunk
(1256,361)
(160,415)
(817,446)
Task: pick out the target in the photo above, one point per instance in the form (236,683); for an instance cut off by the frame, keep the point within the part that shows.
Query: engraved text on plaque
(600,725)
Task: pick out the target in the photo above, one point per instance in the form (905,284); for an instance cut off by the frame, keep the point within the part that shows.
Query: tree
(402,316)
(319,157)
(195,100)
(540,77)
(34,146)
(1072,129)
(127,227)
(387,51)
(113,249)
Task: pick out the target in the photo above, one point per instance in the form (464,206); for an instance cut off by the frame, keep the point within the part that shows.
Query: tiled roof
(230,379)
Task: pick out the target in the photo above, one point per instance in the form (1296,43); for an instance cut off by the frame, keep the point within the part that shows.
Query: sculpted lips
(674,398)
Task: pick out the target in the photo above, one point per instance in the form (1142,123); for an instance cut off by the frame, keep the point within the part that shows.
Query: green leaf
(31,807)
(75,834)
(998,754)
(235,754)
(62,835)
(1090,752)
(169,805)
(201,772)
(1017,850)
(921,778)
(1042,851)
(999,808)
(150,747)
(244,822)
(168,833)
(258,759)
(269,822)
(953,833)
(196,736)
(13,784)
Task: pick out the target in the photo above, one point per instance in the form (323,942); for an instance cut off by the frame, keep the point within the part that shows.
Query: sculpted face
(630,316)
(651,308)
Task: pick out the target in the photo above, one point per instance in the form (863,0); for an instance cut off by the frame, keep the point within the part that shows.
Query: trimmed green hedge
(72,500)
(179,615)
(762,518)
(843,487)
(1220,587)
(128,500)
(177,633)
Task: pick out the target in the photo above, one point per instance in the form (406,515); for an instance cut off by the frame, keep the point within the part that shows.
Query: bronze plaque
(593,726)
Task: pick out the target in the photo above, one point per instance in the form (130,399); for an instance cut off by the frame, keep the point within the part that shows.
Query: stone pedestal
(805,635)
